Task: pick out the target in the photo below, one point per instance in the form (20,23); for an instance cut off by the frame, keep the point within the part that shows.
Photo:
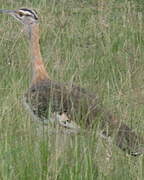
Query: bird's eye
(20,14)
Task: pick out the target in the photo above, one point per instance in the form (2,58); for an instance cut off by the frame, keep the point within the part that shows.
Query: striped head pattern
(24,15)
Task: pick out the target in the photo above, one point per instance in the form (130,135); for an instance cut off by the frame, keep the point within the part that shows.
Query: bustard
(67,103)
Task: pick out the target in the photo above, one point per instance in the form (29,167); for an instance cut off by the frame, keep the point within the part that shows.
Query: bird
(67,105)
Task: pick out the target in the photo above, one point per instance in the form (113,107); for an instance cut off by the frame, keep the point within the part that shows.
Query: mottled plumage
(47,95)
(80,105)
(69,106)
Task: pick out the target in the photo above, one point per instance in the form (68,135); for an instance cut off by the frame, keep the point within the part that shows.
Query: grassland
(95,44)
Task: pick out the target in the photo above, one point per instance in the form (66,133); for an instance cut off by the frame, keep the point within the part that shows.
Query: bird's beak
(7,11)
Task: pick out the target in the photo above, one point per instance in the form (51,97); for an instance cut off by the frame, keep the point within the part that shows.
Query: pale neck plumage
(39,71)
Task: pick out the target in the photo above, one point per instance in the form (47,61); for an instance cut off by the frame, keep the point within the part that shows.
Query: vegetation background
(97,44)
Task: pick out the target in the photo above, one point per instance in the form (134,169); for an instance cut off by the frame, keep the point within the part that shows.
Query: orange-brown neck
(39,71)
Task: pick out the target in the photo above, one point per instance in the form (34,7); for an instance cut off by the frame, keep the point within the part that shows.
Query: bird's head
(24,15)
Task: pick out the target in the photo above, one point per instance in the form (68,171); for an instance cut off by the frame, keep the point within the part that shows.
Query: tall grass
(95,44)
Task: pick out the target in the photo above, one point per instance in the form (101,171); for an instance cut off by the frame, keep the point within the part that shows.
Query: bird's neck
(39,71)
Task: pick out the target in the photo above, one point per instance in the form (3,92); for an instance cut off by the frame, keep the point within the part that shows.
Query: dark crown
(29,12)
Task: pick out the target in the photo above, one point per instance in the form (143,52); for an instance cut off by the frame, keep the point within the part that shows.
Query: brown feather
(80,105)
(68,102)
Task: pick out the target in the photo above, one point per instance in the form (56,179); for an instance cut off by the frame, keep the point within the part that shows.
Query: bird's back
(49,96)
